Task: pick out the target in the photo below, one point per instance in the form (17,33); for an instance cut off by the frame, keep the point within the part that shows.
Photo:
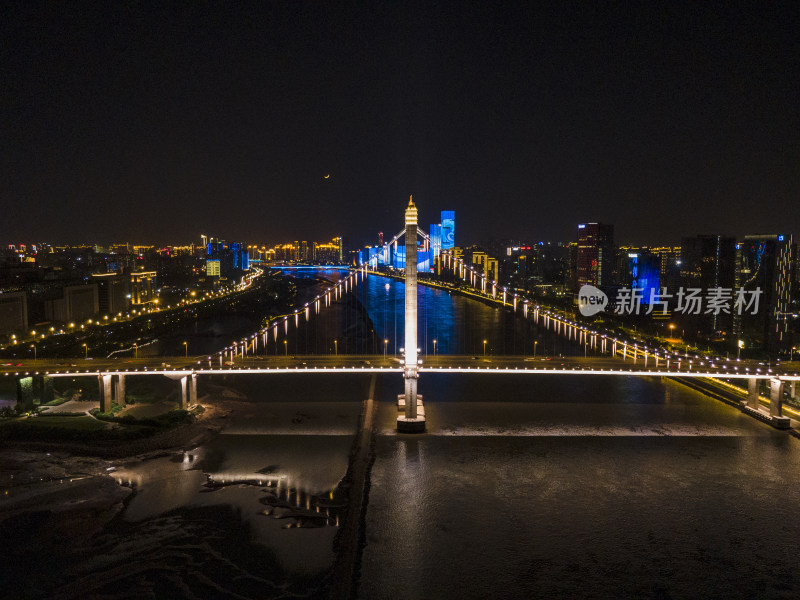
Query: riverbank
(63,495)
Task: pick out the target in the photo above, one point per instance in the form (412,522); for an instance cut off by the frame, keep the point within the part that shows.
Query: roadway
(459,363)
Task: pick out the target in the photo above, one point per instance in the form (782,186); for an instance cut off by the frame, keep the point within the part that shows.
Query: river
(557,486)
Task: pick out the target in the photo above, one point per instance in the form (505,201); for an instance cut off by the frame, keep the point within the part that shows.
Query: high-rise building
(595,259)
(708,262)
(113,293)
(143,287)
(79,303)
(642,271)
(670,267)
(13,312)
(327,253)
(448,229)
(340,242)
(213,267)
(765,265)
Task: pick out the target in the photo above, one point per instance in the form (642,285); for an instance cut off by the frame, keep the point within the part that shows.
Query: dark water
(207,335)
(458,324)
(523,487)
(594,487)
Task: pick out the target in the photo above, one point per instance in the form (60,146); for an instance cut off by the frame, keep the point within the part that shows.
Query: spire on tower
(411,211)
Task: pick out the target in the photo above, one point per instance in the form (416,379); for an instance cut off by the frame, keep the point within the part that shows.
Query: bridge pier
(188,391)
(413,421)
(752,393)
(119,390)
(775,416)
(793,390)
(32,388)
(184,382)
(193,390)
(776,398)
(106,399)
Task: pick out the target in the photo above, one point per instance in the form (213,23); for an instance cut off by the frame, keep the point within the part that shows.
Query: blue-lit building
(448,229)
(232,257)
(442,237)
(240,257)
(645,274)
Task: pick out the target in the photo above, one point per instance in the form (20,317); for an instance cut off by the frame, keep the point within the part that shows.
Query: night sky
(156,122)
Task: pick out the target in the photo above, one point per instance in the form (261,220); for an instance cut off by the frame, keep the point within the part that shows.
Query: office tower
(641,271)
(79,303)
(765,265)
(13,312)
(113,293)
(143,287)
(707,262)
(448,229)
(595,257)
(213,267)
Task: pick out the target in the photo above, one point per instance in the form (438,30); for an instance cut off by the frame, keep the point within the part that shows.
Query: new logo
(591,300)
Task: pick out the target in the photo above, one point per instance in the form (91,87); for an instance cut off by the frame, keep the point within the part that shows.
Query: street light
(186,347)
(385,344)
(534,347)
(434,347)
(335,346)
(135,350)
(34,351)
(85,351)
(286,347)
(484,347)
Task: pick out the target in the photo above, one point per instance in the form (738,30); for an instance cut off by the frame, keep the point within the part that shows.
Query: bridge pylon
(413,418)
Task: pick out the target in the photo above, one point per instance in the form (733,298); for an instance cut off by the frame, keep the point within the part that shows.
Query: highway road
(674,365)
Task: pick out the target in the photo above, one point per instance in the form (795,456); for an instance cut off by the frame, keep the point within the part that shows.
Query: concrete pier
(412,421)
(752,393)
(193,390)
(775,398)
(752,407)
(25,393)
(184,387)
(106,399)
(32,388)
(119,390)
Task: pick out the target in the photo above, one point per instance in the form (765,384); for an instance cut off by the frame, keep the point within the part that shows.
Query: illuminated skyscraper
(766,263)
(448,229)
(707,262)
(595,259)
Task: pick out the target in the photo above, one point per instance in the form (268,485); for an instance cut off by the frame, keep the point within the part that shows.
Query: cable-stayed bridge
(260,353)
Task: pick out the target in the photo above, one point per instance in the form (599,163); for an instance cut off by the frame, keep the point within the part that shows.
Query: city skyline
(305,118)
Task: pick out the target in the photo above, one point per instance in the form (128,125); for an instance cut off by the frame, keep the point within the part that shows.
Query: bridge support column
(193,390)
(119,390)
(48,393)
(106,399)
(25,393)
(412,421)
(40,388)
(752,393)
(184,385)
(793,390)
(775,398)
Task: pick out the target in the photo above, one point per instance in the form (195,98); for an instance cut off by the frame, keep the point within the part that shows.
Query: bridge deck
(379,364)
